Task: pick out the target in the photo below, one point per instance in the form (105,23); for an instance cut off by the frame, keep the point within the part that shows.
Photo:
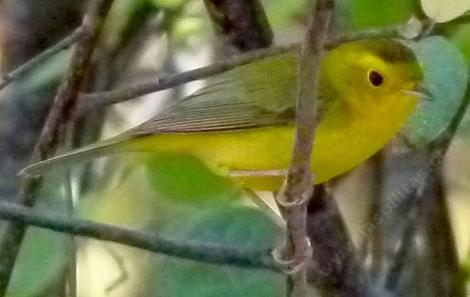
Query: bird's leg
(244,173)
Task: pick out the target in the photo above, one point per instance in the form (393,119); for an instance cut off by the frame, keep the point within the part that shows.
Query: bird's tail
(88,152)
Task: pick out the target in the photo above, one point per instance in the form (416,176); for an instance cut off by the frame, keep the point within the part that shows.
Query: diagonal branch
(51,51)
(61,112)
(103,99)
(149,241)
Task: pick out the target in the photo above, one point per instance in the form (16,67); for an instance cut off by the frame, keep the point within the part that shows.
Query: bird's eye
(375,78)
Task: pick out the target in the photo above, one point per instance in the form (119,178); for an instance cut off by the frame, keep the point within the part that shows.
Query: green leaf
(466,268)
(242,227)
(460,38)
(187,27)
(282,14)
(41,263)
(186,178)
(129,202)
(168,4)
(445,76)
(44,254)
(372,13)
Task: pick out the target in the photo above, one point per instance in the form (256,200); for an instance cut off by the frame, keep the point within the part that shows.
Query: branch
(102,99)
(61,112)
(149,241)
(412,216)
(29,65)
(241,24)
(442,252)
(298,186)
(335,259)
(373,240)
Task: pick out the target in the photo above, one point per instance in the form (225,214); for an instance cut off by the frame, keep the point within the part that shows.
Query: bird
(241,123)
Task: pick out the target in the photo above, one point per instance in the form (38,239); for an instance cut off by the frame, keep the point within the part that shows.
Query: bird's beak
(421,92)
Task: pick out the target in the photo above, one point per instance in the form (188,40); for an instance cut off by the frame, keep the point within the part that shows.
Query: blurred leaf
(187,27)
(186,178)
(445,76)
(443,11)
(235,226)
(459,34)
(372,13)
(460,37)
(41,263)
(169,4)
(129,202)
(284,13)
(466,267)
(44,254)
(119,16)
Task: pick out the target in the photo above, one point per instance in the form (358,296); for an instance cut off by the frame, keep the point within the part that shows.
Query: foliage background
(178,195)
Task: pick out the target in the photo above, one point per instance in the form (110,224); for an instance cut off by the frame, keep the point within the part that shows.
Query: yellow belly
(339,146)
(243,150)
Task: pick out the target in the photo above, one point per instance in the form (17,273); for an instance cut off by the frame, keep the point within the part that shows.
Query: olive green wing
(254,95)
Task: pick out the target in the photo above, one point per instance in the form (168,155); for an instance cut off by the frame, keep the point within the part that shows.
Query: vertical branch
(298,187)
(412,216)
(241,24)
(60,114)
(373,244)
(334,259)
(446,276)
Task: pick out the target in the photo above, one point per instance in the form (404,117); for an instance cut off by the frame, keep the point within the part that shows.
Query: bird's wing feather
(254,95)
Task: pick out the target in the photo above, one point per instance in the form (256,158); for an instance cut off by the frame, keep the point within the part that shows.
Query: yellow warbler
(242,121)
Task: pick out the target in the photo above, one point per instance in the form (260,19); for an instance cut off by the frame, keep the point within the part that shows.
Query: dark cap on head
(390,50)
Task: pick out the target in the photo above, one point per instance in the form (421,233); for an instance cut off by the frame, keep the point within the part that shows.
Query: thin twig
(149,241)
(394,272)
(298,186)
(428,27)
(61,112)
(49,52)
(102,99)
